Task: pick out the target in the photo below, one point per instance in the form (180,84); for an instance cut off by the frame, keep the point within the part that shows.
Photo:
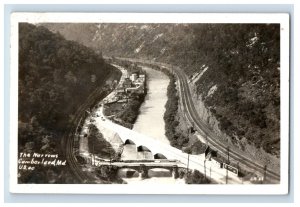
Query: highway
(212,138)
(197,162)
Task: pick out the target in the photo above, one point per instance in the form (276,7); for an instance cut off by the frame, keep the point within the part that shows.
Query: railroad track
(68,138)
(212,138)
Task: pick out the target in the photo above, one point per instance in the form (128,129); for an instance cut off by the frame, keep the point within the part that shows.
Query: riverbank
(123,105)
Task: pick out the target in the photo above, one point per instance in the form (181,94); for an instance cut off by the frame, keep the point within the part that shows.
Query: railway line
(68,138)
(212,138)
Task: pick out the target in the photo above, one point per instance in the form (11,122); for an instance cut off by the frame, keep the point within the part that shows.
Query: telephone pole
(228,155)
(205,168)
(188,162)
(226,175)
(93,153)
(265,174)
(227,165)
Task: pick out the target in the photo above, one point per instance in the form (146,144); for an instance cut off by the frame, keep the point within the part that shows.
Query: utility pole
(265,174)
(93,148)
(205,168)
(238,168)
(188,162)
(93,153)
(227,165)
(228,155)
(110,159)
(226,175)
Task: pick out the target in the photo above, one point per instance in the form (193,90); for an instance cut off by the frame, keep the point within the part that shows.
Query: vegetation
(126,113)
(98,145)
(177,140)
(191,176)
(195,147)
(196,177)
(109,174)
(247,60)
(55,78)
(132,109)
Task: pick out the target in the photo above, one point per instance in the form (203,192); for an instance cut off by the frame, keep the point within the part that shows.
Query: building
(142,75)
(139,89)
(133,77)
(120,90)
(127,83)
(139,81)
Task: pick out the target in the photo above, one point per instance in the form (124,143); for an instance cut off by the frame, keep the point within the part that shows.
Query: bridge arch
(142,148)
(129,141)
(159,156)
(128,172)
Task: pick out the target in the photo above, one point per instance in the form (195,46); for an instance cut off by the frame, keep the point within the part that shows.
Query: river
(150,120)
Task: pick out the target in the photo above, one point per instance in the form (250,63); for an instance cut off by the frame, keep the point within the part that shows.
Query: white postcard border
(281,18)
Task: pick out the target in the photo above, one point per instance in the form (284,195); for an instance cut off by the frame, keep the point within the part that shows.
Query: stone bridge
(160,151)
(146,169)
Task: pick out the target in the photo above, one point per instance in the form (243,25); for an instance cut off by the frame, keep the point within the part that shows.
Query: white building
(133,77)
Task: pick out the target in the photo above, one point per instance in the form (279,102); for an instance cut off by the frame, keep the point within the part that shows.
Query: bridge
(146,168)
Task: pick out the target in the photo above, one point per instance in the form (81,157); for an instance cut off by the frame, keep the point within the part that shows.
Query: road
(197,162)
(212,138)
(139,163)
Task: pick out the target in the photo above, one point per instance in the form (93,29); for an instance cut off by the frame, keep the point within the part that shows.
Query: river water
(150,120)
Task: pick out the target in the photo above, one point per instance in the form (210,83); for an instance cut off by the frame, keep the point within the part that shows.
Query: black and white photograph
(181,101)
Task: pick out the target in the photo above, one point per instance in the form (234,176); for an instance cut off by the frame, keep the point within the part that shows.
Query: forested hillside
(55,78)
(241,83)
(234,68)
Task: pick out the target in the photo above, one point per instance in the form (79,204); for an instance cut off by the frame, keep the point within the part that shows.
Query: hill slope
(55,77)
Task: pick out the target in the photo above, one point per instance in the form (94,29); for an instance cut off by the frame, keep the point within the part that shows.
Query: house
(133,77)
(127,83)
(139,81)
(142,75)
(138,90)
(120,90)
